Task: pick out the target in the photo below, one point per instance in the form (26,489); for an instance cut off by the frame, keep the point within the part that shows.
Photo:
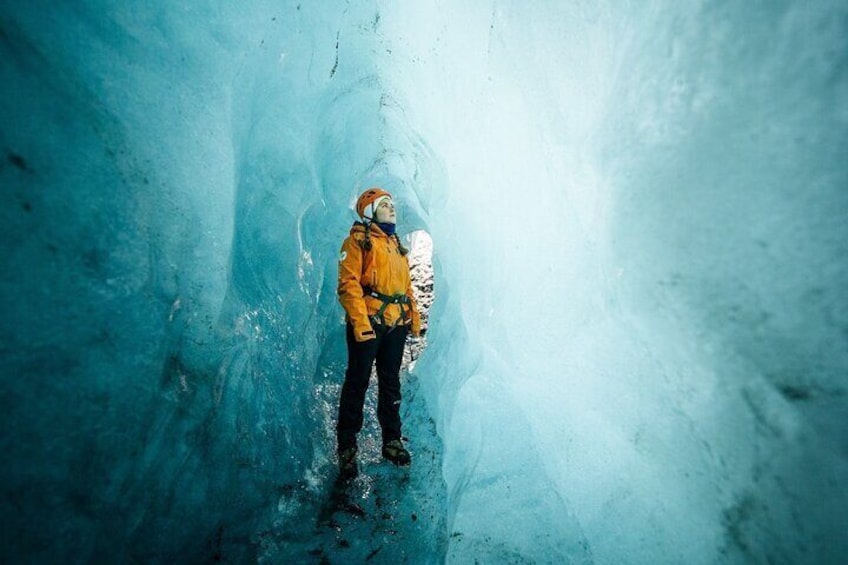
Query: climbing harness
(387,299)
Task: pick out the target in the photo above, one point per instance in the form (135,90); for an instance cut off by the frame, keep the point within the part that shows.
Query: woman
(376,292)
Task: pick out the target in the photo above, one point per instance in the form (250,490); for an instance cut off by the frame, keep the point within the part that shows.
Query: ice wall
(647,256)
(117,231)
(639,347)
(179,181)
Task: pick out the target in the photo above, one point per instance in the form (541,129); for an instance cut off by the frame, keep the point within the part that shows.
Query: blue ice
(638,348)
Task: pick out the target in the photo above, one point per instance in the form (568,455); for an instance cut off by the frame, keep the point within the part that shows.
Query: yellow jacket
(382,269)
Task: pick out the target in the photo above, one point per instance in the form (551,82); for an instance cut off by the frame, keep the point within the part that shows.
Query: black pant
(387,350)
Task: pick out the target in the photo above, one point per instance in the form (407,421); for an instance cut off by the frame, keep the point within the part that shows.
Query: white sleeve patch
(343,256)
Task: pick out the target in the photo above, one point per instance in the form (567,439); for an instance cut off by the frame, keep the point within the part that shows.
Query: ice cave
(637,349)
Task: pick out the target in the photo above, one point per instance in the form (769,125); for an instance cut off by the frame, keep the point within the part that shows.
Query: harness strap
(387,299)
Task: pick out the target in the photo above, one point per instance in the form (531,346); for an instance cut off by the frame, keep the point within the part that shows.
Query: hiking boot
(395,452)
(347,463)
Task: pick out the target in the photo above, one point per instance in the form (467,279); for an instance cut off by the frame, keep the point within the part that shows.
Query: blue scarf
(388,229)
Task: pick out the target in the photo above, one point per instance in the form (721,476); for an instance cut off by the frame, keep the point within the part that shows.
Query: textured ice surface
(639,347)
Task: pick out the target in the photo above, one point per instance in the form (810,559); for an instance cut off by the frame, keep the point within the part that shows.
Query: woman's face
(385,213)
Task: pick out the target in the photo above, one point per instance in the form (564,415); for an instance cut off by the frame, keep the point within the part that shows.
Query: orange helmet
(367,198)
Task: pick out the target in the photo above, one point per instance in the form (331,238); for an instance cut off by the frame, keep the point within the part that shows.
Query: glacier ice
(639,344)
